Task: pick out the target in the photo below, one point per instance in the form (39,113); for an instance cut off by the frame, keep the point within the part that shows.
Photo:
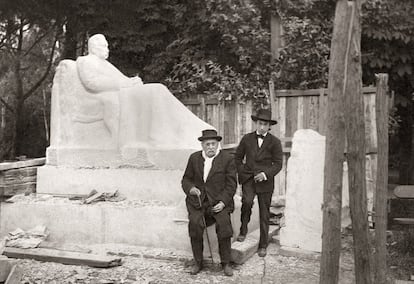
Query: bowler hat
(265,115)
(209,134)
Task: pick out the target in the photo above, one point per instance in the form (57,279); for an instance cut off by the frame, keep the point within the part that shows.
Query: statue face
(100,48)
(210,147)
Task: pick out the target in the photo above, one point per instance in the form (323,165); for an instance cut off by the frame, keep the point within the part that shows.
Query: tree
(29,50)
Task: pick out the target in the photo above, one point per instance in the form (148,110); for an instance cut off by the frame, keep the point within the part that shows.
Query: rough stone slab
(65,257)
(299,253)
(275,239)
(242,251)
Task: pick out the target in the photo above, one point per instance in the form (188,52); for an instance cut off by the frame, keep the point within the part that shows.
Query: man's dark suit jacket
(221,182)
(267,159)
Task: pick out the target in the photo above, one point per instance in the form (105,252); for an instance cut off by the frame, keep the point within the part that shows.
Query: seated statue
(95,106)
(150,116)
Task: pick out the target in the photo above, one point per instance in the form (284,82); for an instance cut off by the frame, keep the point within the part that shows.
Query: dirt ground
(274,268)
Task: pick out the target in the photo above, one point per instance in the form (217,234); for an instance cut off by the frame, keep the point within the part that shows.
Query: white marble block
(304,192)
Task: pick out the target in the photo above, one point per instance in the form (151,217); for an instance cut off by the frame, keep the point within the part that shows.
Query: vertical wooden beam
(273,107)
(203,108)
(380,216)
(355,132)
(334,153)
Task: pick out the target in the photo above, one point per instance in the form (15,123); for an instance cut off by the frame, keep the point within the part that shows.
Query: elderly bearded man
(210,179)
(263,160)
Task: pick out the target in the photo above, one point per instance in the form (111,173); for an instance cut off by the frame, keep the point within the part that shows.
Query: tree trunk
(355,130)
(411,173)
(381,106)
(71,42)
(334,154)
(276,35)
(405,135)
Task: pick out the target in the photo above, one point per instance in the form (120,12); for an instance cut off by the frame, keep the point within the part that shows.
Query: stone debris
(95,196)
(116,202)
(30,239)
(272,269)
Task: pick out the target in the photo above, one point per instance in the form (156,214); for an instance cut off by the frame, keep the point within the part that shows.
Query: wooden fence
(295,109)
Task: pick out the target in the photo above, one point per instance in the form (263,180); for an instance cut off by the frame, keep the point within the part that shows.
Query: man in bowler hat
(210,183)
(263,160)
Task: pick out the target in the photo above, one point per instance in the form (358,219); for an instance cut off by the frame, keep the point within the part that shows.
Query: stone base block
(148,225)
(161,185)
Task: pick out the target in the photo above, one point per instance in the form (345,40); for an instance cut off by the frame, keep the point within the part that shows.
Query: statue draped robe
(149,114)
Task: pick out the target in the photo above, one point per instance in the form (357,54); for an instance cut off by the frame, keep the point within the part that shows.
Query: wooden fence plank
(282,116)
(323,113)
(301,115)
(291,116)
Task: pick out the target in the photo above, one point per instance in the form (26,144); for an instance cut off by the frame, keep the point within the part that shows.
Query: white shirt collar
(259,134)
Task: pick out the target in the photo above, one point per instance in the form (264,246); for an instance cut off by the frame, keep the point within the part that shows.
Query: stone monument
(304,193)
(103,121)
(111,132)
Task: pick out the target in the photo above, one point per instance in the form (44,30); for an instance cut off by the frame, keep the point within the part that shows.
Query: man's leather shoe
(228,271)
(195,269)
(241,238)
(261,252)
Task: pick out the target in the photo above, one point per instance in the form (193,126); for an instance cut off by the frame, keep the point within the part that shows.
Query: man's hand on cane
(195,191)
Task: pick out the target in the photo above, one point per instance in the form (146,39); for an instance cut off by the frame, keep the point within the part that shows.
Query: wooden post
(355,130)
(380,216)
(334,153)
(273,107)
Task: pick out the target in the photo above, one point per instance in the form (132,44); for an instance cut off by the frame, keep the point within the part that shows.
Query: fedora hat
(209,134)
(265,115)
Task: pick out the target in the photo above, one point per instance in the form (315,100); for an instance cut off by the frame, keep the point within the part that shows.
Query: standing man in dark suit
(210,179)
(263,160)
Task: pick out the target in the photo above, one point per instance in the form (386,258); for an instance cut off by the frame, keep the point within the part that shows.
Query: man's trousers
(196,228)
(264,199)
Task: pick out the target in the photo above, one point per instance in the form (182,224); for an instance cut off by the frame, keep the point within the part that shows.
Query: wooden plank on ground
(404,221)
(65,257)
(404,191)
(22,164)
(15,275)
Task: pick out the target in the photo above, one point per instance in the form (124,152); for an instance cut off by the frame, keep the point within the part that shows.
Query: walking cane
(205,225)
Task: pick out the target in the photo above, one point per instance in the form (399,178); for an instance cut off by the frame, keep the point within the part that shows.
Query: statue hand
(136,81)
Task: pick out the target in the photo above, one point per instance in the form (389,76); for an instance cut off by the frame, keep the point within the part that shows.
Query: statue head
(98,46)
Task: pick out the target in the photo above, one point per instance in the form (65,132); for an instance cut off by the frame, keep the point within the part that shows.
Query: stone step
(242,251)
(299,253)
